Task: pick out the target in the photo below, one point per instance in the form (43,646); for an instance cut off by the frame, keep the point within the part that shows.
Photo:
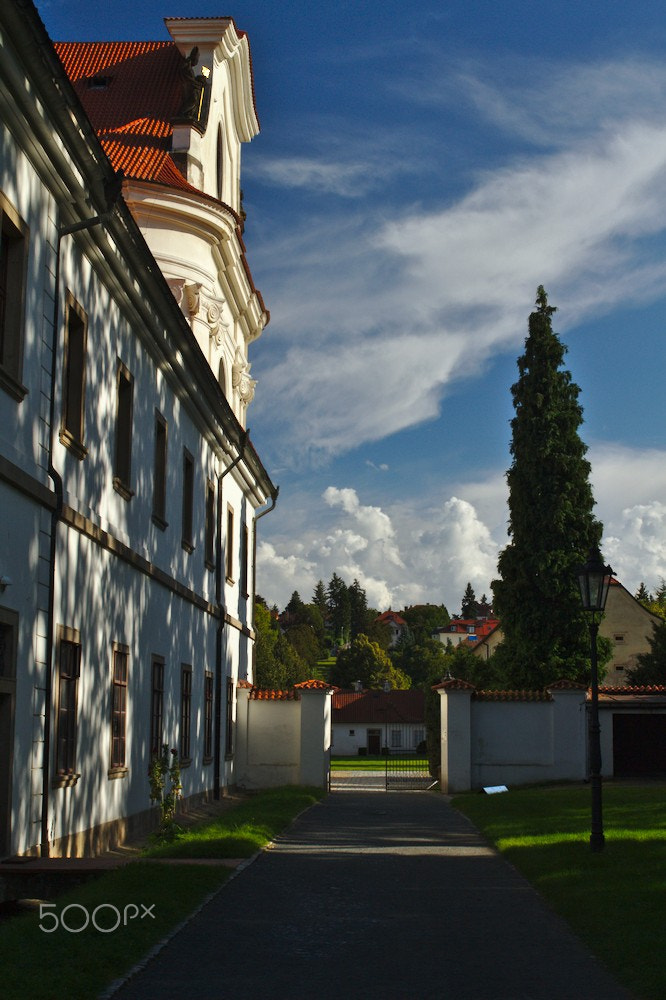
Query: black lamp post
(594,580)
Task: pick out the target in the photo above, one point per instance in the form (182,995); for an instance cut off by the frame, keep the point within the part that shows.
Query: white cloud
(381,314)
(427,547)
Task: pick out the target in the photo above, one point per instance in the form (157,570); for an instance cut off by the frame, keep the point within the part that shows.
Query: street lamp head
(594,579)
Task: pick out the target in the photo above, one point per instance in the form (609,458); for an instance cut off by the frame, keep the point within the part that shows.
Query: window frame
(210,525)
(119,693)
(67,721)
(209,698)
(187,526)
(72,424)
(160,467)
(122,461)
(15,240)
(157,665)
(229,735)
(245,561)
(185,741)
(229,546)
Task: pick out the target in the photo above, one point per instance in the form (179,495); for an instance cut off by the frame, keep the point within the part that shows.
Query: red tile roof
(379,706)
(453,684)
(262,694)
(512,696)
(132,109)
(314,685)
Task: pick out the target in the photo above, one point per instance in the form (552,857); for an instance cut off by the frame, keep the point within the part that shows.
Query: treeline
(338,626)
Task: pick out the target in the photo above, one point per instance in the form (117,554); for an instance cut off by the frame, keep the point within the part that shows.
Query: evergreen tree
(319,599)
(358,609)
(339,610)
(551,521)
(643,595)
(468,607)
(651,667)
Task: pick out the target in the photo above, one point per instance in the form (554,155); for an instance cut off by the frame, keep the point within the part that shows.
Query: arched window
(221,376)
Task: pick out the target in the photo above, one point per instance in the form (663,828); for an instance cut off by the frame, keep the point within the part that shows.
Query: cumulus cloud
(427,547)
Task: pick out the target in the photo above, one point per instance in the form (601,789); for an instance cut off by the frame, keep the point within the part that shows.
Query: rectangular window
(69,669)
(123,456)
(208,716)
(160,471)
(229,568)
(8,629)
(13,273)
(229,747)
(185,711)
(119,706)
(74,377)
(210,524)
(157,706)
(244,575)
(188,501)
(396,738)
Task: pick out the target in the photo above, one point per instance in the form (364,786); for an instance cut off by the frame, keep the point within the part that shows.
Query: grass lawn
(359,763)
(614,900)
(37,965)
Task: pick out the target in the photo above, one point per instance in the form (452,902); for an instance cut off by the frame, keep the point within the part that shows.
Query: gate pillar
(455,699)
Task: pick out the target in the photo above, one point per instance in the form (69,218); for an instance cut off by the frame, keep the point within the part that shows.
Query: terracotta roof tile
(512,696)
(131,92)
(637,690)
(453,684)
(264,694)
(315,685)
(379,706)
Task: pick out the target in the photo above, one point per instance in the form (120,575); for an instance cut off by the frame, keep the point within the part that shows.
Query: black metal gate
(407,765)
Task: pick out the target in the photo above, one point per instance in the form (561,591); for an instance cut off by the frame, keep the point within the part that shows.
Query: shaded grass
(78,966)
(51,966)
(614,900)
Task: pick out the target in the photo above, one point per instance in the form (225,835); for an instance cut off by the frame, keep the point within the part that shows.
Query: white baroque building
(129,488)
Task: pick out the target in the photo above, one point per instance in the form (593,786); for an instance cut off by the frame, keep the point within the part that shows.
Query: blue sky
(421,169)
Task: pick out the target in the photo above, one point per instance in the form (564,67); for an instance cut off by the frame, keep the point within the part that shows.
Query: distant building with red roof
(369,721)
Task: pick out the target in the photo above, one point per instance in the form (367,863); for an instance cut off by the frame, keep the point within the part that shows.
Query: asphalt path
(393,896)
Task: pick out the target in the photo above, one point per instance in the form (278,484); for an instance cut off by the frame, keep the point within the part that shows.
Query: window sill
(208,760)
(117,772)
(125,492)
(184,762)
(65,780)
(11,385)
(210,566)
(189,548)
(70,442)
(159,522)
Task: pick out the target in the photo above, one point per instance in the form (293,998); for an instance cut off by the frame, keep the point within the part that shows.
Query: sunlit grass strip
(616,900)
(361,763)
(242,830)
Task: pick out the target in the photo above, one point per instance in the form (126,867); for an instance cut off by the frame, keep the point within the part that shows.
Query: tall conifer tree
(551,522)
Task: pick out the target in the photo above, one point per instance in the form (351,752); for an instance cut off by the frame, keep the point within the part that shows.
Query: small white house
(374,722)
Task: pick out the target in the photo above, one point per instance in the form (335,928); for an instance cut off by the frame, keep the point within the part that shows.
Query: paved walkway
(369,896)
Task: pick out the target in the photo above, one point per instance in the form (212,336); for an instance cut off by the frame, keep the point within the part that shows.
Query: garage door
(639,744)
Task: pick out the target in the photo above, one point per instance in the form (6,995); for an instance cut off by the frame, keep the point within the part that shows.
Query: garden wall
(283,737)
